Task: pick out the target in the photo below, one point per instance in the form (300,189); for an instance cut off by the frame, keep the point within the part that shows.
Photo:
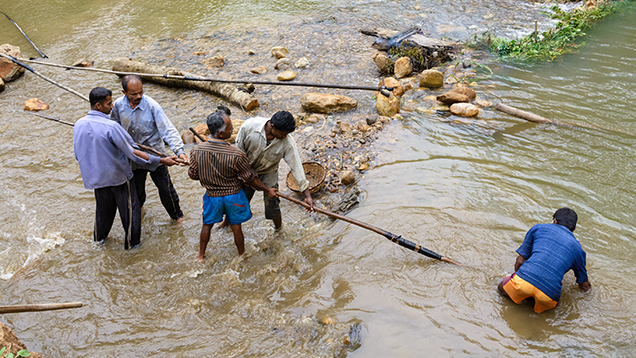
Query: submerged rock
(216,61)
(464,109)
(452,97)
(259,70)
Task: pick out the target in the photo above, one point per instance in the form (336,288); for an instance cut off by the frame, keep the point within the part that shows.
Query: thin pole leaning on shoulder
(15,60)
(27,37)
(40,307)
(392,237)
(141,146)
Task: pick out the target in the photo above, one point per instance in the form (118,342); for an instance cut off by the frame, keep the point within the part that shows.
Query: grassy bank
(556,41)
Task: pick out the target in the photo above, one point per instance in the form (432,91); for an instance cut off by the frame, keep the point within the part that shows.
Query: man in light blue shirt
(102,149)
(147,124)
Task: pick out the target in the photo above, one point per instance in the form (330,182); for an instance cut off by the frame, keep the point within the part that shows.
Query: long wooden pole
(141,146)
(40,307)
(392,237)
(192,78)
(14,60)
(27,37)
(531,117)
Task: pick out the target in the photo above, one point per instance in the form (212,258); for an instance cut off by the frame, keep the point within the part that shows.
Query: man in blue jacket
(102,149)
(546,254)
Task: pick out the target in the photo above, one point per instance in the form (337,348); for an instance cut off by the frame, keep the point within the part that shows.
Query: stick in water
(14,60)
(40,307)
(392,237)
(27,37)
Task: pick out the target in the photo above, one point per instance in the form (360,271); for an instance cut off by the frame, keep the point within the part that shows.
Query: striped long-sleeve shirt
(220,167)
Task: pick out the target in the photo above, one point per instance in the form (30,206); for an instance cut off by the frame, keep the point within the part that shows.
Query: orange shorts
(519,289)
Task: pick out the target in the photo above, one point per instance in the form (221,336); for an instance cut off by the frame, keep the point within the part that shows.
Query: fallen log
(226,91)
(531,117)
(424,52)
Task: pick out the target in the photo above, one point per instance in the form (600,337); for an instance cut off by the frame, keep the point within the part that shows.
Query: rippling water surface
(466,190)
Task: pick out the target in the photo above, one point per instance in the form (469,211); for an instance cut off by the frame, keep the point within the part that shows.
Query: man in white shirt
(266,142)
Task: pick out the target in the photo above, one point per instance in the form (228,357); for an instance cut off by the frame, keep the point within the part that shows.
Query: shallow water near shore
(466,189)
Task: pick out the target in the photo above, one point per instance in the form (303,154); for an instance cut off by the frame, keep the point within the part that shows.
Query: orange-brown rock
(259,70)
(83,62)
(387,106)
(383,61)
(326,103)
(187,137)
(467,91)
(35,105)
(452,97)
(347,177)
(391,82)
(9,71)
(403,67)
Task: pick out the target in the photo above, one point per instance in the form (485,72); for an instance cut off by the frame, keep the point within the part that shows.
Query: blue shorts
(236,207)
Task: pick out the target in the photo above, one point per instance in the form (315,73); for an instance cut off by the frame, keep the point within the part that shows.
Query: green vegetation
(21,353)
(421,58)
(554,42)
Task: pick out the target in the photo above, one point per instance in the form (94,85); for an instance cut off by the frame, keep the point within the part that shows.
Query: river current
(466,189)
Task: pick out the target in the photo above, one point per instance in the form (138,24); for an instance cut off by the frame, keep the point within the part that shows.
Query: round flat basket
(315,173)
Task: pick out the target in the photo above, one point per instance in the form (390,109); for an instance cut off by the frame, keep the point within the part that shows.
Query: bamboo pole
(196,134)
(531,117)
(14,60)
(27,37)
(198,78)
(141,146)
(392,237)
(39,307)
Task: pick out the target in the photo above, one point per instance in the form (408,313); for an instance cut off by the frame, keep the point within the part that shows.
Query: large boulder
(326,103)
(452,97)
(9,71)
(403,67)
(464,109)
(431,79)
(391,82)
(387,106)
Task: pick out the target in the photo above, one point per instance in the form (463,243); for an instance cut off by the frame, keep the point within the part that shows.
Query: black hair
(283,121)
(126,79)
(223,108)
(98,94)
(566,217)
(216,122)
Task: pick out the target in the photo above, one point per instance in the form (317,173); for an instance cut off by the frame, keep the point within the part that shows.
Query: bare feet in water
(200,258)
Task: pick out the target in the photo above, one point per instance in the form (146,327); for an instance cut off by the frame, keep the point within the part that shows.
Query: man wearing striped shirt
(222,170)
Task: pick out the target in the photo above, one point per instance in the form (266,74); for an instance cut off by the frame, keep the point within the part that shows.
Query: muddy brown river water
(466,189)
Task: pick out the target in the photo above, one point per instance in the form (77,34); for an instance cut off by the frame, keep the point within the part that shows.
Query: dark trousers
(108,200)
(167,194)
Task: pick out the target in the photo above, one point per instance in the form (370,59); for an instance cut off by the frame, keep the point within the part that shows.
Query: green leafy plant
(21,353)
(551,43)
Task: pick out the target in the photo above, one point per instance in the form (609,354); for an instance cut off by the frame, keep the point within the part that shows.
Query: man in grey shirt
(147,124)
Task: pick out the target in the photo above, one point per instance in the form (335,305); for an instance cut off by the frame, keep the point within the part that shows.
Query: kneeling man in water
(546,254)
